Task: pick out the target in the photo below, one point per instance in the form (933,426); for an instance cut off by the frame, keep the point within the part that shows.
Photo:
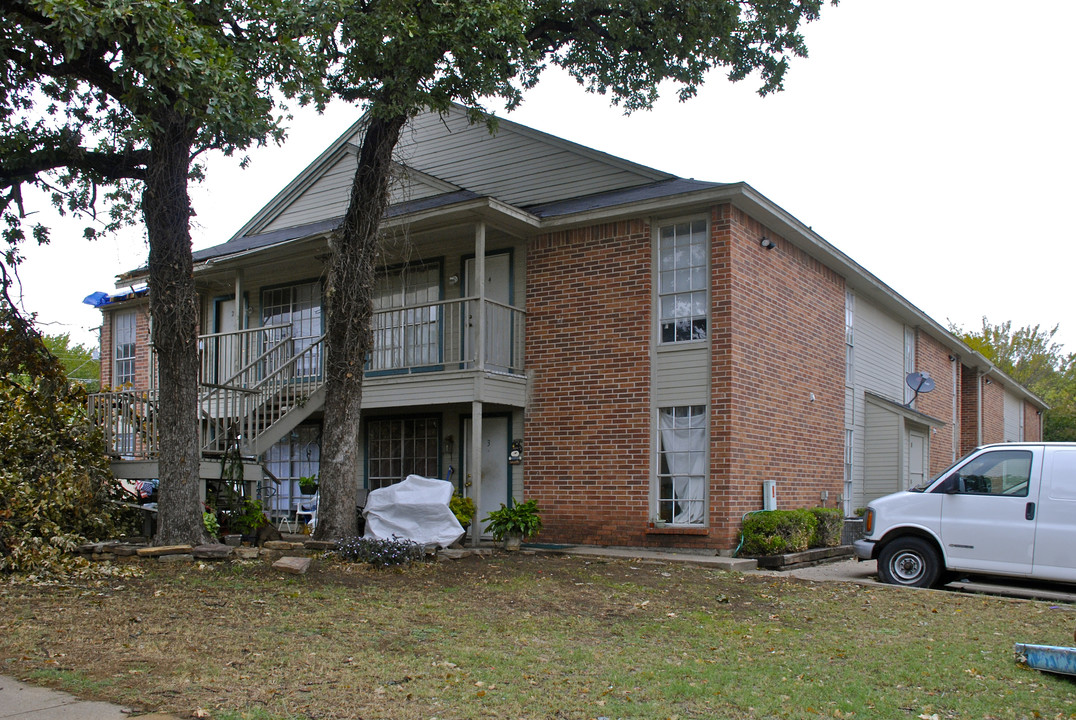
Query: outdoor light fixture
(767,244)
(450,442)
(454,279)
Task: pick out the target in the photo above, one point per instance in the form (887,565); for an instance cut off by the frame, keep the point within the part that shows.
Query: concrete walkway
(28,702)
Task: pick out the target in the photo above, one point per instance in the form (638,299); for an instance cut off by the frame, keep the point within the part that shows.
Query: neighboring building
(651,347)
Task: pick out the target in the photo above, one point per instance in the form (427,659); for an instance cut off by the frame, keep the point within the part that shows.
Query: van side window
(1003,472)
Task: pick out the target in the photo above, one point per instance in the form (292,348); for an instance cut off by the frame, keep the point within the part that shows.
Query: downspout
(979,430)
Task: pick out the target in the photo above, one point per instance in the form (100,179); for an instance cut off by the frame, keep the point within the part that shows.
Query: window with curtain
(406,323)
(123,343)
(398,447)
(682,453)
(683,297)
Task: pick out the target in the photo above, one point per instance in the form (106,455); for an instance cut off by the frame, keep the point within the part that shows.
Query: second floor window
(682,282)
(123,341)
(406,324)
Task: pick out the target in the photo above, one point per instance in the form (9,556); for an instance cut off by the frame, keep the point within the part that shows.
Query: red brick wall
(969,409)
(587,422)
(933,357)
(779,338)
(1032,423)
(993,412)
(142,344)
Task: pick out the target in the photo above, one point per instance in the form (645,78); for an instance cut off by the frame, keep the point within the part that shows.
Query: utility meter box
(769,494)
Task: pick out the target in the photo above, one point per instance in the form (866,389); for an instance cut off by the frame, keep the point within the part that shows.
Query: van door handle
(1029,511)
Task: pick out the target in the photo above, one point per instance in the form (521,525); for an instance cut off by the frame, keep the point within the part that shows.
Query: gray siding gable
(442,153)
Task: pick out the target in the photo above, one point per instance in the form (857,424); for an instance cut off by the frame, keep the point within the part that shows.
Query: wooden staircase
(255,387)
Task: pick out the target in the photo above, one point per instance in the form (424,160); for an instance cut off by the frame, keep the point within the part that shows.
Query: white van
(1006,509)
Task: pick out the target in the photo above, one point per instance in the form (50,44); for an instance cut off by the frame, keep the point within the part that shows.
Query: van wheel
(909,561)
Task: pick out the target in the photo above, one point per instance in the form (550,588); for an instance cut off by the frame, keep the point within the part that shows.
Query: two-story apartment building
(636,351)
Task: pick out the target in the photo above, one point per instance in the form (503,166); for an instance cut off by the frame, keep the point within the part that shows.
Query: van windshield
(921,487)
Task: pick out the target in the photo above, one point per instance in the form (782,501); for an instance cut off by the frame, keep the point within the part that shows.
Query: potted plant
(514,523)
(463,508)
(308,484)
(249,519)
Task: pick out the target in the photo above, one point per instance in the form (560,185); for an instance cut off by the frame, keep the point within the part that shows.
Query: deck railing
(249,379)
(441,336)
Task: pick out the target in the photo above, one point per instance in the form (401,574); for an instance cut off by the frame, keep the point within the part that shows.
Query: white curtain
(684,450)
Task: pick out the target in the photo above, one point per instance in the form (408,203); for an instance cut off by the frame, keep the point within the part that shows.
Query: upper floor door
(498,319)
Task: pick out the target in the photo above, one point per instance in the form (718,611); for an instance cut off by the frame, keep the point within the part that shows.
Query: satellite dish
(919,383)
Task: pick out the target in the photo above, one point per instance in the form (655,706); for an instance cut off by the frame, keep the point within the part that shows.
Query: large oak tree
(120,97)
(402,57)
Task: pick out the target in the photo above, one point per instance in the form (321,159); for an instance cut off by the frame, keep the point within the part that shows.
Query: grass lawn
(526,636)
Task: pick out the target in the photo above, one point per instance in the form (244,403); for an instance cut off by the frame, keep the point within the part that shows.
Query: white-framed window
(398,447)
(294,456)
(849,338)
(124,325)
(407,315)
(683,296)
(909,363)
(297,306)
(682,464)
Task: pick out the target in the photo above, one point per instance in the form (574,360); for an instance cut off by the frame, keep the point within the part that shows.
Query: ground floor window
(682,464)
(296,455)
(398,447)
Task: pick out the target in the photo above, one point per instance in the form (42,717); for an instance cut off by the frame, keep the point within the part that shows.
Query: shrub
(778,531)
(55,482)
(379,553)
(463,508)
(522,518)
(828,531)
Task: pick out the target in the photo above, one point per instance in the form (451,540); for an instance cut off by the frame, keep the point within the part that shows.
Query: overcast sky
(929,140)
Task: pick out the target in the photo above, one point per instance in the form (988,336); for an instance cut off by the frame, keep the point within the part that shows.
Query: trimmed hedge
(775,532)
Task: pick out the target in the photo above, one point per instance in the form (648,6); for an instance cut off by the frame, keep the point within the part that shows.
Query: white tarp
(415,509)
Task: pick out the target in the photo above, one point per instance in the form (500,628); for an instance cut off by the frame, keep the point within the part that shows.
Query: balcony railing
(441,336)
(250,379)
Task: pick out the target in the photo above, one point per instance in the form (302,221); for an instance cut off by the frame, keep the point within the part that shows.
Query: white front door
(498,319)
(227,350)
(917,471)
(494,490)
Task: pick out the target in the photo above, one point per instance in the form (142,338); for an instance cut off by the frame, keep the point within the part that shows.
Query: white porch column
(480,364)
(474,468)
(240,306)
(480,283)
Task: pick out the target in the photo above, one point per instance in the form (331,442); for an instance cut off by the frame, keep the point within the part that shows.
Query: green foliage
(78,360)
(519,518)
(827,532)
(463,508)
(774,532)
(308,485)
(250,517)
(1030,356)
(380,553)
(55,482)
(212,526)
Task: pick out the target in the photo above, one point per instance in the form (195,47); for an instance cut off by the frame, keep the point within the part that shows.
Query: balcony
(260,383)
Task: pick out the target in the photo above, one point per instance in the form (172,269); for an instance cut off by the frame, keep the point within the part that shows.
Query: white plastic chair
(308,508)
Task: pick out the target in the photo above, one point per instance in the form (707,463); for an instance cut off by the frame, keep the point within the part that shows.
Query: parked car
(1007,509)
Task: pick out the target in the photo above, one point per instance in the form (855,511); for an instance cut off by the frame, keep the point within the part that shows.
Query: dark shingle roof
(665,188)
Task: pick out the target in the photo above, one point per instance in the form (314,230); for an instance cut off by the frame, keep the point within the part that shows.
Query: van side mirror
(950,485)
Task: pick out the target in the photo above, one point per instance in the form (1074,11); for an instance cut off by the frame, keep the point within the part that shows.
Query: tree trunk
(173,309)
(348,313)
